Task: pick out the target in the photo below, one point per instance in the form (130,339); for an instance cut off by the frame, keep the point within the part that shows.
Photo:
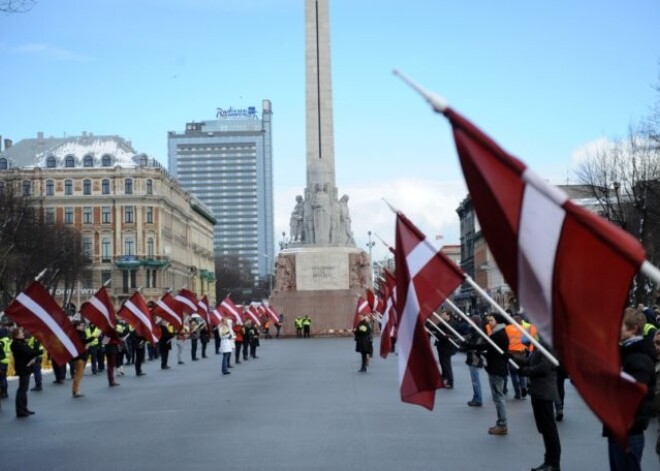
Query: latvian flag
(188,300)
(203,310)
(251,313)
(570,269)
(36,311)
(362,309)
(272,314)
(229,308)
(216,317)
(136,312)
(170,310)
(100,312)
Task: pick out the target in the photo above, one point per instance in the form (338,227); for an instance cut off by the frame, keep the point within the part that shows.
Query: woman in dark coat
(363,342)
(24,357)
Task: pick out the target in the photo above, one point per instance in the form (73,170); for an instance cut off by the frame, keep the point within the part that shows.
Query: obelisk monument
(320,273)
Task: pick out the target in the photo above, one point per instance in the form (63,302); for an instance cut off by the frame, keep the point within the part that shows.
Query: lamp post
(370,245)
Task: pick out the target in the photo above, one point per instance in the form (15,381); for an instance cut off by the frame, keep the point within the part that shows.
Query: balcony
(133,262)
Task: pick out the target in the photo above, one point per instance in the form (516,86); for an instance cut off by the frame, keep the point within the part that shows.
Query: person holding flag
(81,359)
(24,357)
(363,342)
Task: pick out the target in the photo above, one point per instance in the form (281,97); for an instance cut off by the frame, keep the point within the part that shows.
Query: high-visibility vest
(515,339)
(94,333)
(5,343)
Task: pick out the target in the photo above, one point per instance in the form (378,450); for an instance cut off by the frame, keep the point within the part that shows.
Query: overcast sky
(544,78)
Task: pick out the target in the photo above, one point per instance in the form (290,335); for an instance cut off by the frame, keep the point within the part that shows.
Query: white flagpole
(446,324)
(506,315)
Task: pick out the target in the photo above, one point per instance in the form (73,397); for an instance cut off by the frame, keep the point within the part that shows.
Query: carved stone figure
(321,208)
(346,234)
(296,224)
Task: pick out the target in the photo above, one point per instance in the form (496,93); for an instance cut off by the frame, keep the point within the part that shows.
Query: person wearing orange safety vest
(517,351)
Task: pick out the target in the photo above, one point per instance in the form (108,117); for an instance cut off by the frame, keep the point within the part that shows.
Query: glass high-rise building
(227,164)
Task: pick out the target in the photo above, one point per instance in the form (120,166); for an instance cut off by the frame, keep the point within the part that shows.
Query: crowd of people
(24,356)
(511,356)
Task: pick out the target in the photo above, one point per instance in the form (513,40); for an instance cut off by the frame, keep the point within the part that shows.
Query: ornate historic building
(139,227)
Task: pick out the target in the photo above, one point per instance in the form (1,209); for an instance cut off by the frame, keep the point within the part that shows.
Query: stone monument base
(323,283)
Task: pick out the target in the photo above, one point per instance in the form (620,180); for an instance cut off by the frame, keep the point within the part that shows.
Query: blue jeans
(626,460)
(225,362)
(497,389)
(476,384)
(517,381)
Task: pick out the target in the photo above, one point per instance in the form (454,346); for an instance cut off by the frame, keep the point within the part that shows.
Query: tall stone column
(320,133)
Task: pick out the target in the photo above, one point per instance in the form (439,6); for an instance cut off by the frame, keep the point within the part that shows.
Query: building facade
(227,164)
(139,227)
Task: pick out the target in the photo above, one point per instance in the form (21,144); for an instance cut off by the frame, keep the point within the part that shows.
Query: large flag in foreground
(570,269)
(136,312)
(100,311)
(36,310)
(425,278)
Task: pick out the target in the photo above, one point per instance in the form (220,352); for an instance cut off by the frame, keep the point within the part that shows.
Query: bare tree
(625,181)
(16,6)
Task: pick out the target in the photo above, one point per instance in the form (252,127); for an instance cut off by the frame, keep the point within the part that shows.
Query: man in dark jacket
(24,357)
(638,360)
(496,367)
(543,391)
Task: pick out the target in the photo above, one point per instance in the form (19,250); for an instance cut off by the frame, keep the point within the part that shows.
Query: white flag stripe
(167,309)
(551,192)
(41,313)
(138,313)
(407,327)
(418,258)
(187,302)
(203,306)
(101,307)
(541,222)
(230,308)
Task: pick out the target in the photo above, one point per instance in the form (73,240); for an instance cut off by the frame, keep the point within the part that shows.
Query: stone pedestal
(323,283)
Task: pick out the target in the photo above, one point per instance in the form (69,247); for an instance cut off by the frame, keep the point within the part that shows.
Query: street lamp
(371,244)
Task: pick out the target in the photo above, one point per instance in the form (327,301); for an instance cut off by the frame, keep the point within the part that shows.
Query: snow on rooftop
(96,146)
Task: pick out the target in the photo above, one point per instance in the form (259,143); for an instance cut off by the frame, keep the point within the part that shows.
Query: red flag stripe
(169,310)
(36,309)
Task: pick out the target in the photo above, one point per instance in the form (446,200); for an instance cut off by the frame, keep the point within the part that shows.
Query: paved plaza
(301,406)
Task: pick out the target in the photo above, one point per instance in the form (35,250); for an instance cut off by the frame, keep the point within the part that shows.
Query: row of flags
(37,311)
(571,269)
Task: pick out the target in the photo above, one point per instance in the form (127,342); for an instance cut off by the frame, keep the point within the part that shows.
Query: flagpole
(479,331)
(438,103)
(651,271)
(510,319)
(446,324)
(41,274)
(435,336)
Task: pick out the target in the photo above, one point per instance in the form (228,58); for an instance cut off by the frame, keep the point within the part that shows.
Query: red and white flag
(375,302)
(570,269)
(36,311)
(272,314)
(424,280)
(203,310)
(188,300)
(252,314)
(389,320)
(170,310)
(216,317)
(361,309)
(229,308)
(136,312)
(100,311)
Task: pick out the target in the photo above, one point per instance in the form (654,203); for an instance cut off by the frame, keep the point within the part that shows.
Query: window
(27,187)
(143,160)
(105,186)
(88,161)
(106,161)
(68,215)
(49,216)
(105,277)
(69,161)
(129,215)
(129,245)
(106,215)
(106,249)
(3,164)
(128,279)
(51,162)
(68,187)
(87,248)
(150,187)
(150,247)
(128,186)
(149,214)
(87,215)
(87,187)
(50,187)
(151,278)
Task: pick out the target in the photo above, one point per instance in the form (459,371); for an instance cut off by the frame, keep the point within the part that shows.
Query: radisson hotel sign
(237,113)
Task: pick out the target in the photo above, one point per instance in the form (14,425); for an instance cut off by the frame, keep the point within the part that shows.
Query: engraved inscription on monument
(321,271)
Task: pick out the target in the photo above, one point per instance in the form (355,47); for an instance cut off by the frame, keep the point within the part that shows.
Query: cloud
(50,52)
(429,204)
(591,149)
